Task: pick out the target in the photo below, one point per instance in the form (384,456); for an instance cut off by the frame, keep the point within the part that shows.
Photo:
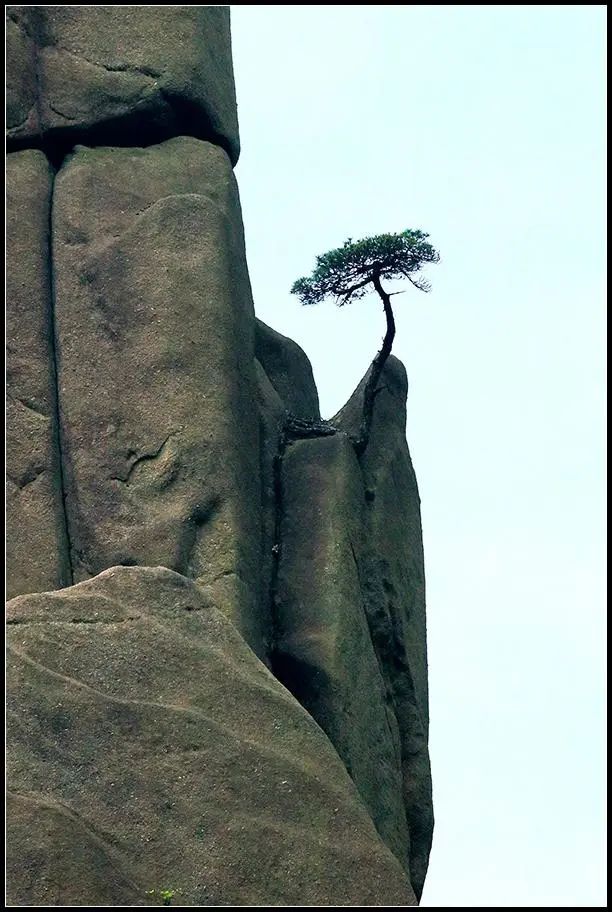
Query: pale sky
(484,126)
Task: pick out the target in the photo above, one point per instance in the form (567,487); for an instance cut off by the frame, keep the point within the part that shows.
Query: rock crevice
(335,574)
(124,76)
(56,390)
(37,545)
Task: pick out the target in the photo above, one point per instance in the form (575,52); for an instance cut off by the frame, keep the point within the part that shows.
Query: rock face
(350,611)
(37,548)
(288,370)
(218,671)
(154,323)
(150,749)
(120,75)
(324,650)
(394,592)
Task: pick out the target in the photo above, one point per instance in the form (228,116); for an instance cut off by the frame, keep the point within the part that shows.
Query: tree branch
(421,284)
(344,295)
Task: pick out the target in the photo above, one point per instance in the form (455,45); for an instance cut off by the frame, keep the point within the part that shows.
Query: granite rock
(149,749)
(120,74)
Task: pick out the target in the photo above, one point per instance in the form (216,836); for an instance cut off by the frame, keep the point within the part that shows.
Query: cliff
(217,674)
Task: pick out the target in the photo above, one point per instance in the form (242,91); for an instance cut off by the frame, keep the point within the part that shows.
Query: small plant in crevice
(166,896)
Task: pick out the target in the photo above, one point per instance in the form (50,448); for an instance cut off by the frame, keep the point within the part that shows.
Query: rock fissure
(277,475)
(56,392)
(292,429)
(60,113)
(89,92)
(20,622)
(296,428)
(129,68)
(389,695)
(367,614)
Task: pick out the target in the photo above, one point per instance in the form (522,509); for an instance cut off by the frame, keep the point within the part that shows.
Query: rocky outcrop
(288,370)
(285,387)
(394,592)
(350,611)
(154,323)
(323,648)
(151,750)
(36,542)
(231,702)
(124,75)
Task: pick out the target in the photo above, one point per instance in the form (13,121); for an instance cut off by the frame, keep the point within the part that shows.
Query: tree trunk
(377,367)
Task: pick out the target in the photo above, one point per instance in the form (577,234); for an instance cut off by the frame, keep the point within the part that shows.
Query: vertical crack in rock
(53,342)
(34,28)
(276,547)
(393,584)
(389,643)
(388,682)
(324,653)
(292,428)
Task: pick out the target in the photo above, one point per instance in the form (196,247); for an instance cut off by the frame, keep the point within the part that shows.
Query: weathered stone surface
(120,74)
(61,854)
(21,88)
(154,322)
(394,590)
(288,370)
(272,414)
(323,650)
(150,749)
(35,525)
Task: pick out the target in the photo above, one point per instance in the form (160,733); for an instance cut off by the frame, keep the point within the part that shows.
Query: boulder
(323,649)
(36,545)
(289,371)
(150,750)
(394,591)
(120,74)
(154,322)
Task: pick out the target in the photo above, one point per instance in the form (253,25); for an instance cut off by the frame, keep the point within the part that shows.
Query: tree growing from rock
(357,268)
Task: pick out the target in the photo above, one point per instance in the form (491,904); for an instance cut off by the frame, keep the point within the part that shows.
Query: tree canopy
(344,273)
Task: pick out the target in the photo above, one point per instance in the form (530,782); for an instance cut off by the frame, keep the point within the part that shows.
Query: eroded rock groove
(56,388)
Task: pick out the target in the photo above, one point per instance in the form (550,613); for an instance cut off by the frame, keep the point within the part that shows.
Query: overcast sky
(484,126)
